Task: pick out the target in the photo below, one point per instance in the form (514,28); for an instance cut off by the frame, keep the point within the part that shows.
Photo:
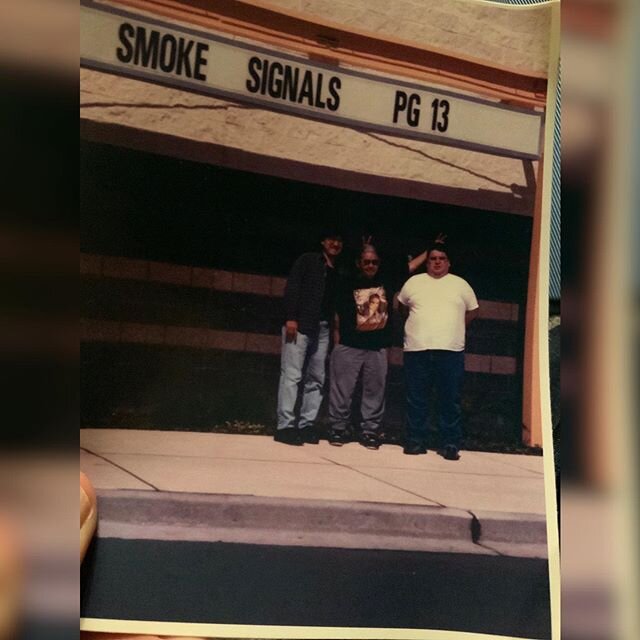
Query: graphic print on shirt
(371,308)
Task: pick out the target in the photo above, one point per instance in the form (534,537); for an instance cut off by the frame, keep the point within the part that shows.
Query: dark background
(158,208)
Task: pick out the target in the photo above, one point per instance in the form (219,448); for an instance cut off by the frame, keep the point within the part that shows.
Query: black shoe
(370,441)
(414,449)
(337,438)
(309,435)
(288,436)
(450,452)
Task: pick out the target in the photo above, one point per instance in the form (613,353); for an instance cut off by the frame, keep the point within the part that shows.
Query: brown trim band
(121,268)
(232,158)
(114,332)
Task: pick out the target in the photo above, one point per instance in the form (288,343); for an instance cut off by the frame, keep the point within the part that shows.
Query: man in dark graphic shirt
(309,301)
(362,335)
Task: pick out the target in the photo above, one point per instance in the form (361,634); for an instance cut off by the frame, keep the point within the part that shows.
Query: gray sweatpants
(345,366)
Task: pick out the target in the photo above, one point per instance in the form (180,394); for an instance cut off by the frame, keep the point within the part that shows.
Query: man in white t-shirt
(440,307)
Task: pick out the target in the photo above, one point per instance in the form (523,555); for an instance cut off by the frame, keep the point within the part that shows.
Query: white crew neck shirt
(437,308)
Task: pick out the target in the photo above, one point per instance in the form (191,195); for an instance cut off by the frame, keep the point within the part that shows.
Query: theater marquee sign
(138,46)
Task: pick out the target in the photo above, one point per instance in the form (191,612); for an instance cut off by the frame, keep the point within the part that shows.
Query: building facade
(196,200)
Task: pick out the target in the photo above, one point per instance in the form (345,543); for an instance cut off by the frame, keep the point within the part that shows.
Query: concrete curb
(316,523)
(512,533)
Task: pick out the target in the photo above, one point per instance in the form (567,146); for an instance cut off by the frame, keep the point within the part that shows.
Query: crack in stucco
(439,160)
(156,105)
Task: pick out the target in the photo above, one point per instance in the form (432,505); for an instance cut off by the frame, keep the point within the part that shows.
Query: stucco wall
(516,37)
(487,181)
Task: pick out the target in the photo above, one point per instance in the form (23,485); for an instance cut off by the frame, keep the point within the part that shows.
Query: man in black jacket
(309,301)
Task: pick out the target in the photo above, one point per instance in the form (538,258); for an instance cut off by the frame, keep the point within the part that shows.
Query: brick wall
(137,385)
(146,302)
(181,347)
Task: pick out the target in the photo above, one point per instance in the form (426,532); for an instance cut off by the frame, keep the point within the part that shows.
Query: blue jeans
(303,359)
(442,370)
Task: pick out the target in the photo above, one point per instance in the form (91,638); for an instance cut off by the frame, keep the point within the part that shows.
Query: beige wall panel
(516,38)
(148,107)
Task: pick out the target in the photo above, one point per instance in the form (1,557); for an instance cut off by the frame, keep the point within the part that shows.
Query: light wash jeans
(303,359)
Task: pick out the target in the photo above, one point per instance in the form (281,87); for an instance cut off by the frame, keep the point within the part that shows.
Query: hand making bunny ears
(441,238)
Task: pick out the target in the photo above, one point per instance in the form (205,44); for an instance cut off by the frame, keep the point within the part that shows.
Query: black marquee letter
(399,105)
(146,53)
(275,84)
(255,65)
(124,32)
(333,103)
(201,61)
(168,46)
(290,83)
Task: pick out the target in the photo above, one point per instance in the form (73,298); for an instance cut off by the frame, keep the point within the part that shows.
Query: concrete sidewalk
(252,489)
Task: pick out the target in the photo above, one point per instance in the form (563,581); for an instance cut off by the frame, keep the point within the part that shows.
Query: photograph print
(313,249)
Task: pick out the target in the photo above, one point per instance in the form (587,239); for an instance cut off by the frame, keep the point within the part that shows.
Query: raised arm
(416,262)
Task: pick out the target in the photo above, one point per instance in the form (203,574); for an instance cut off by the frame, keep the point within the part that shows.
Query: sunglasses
(375,263)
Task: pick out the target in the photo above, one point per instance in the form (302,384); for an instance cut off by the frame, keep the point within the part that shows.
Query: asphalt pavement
(310,587)
(239,529)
